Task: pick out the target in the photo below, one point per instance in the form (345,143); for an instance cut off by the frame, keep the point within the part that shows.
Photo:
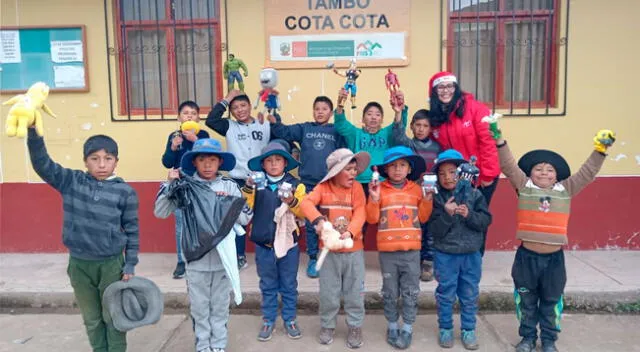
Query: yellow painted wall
(601,91)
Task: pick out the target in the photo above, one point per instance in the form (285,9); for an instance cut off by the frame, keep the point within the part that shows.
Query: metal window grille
(166,52)
(507,53)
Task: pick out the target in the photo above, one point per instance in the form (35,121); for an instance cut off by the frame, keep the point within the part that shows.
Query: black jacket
(455,234)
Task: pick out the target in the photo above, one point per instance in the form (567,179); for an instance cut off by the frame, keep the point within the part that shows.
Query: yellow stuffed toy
(24,112)
(190,126)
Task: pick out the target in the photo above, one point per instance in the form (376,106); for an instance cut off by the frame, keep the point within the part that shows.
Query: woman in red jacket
(456,122)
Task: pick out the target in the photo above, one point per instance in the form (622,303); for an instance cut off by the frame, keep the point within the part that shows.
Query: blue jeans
(426,250)
(457,275)
(278,276)
(179,222)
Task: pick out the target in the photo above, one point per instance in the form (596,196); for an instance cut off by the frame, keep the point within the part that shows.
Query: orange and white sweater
(398,214)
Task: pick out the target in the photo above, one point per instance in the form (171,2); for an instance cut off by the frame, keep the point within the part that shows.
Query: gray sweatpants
(342,275)
(209,294)
(400,277)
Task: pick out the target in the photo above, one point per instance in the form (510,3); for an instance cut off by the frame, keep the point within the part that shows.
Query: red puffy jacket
(470,136)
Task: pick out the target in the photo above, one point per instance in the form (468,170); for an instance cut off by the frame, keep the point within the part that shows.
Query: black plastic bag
(208,217)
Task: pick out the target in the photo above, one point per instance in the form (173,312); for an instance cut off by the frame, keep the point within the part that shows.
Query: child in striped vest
(545,186)
(399,207)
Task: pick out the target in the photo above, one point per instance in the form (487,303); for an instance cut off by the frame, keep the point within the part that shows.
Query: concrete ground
(65,333)
(598,281)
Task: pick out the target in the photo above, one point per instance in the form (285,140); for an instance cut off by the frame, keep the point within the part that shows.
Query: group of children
(346,192)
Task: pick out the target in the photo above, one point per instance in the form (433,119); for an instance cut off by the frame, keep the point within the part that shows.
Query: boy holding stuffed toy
(178,143)
(339,199)
(545,186)
(399,206)
(100,223)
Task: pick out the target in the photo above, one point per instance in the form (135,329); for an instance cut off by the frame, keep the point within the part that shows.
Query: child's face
(241,110)
(321,112)
(544,175)
(346,177)
(447,176)
(372,119)
(101,164)
(188,114)
(274,165)
(398,170)
(421,128)
(207,165)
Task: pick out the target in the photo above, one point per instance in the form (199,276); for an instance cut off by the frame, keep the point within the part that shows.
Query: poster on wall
(312,33)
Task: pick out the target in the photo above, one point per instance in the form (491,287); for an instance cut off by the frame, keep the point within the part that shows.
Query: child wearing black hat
(545,186)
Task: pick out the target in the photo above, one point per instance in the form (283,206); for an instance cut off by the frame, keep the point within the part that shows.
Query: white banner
(328,47)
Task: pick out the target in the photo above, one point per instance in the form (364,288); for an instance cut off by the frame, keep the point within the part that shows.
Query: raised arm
(292,133)
(509,166)
(50,171)
(215,121)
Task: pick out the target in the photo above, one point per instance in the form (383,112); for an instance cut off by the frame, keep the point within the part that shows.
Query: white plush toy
(332,242)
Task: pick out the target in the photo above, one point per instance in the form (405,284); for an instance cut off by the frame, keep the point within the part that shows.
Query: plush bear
(24,111)
(331,241)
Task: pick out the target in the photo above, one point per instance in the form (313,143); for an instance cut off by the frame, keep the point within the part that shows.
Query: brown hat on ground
(340,158)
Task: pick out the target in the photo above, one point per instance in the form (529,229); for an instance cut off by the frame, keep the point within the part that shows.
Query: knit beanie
(99,142)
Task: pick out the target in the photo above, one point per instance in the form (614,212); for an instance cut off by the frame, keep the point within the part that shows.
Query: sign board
(313,33)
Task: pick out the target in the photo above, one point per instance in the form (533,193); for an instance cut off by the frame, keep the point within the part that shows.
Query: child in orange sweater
(399,207)
(338,198)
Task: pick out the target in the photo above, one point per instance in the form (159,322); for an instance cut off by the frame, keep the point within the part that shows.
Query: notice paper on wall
(10,47)
(68,76)
(63,51)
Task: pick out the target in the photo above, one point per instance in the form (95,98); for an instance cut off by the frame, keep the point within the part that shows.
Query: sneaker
(404,340)
(445,338)
(549,346)
(266,331)
(292,330)
(392,336)
(469,339)
(217,350)
(311,269)
(325,336)
(527,344)
(354,337)
(242,262)
(427,271)
(179,272)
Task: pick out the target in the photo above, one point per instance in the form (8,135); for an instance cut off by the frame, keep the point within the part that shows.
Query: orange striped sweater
(343,207)
(398,214)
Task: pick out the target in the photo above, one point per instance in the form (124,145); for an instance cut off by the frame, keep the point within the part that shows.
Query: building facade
(559,70)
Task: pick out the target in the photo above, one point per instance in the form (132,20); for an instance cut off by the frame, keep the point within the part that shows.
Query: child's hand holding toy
(603,140)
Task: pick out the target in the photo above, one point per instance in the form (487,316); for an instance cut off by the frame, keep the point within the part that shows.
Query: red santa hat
(442,77)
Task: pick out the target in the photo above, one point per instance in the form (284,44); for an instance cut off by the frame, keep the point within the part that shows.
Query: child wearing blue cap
(211,278)
(457,238)
(399,207)
(276,205)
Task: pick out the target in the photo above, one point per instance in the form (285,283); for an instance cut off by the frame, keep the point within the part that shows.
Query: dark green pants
(89,279)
